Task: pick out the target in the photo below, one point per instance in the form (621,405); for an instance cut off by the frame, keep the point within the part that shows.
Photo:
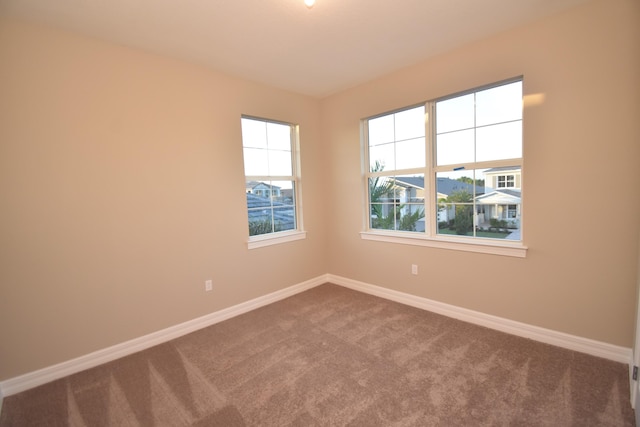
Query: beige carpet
(331,357)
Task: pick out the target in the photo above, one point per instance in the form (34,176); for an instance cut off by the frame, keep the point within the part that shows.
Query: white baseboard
(559,339)
(571,342)
(51,373)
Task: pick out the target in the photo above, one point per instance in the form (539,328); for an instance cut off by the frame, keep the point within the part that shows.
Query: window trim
(479,245)
(430,237)
(262,240)
(279,237)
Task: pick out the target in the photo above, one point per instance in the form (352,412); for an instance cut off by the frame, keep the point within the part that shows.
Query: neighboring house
(503,197)
(261,189)
(499,198)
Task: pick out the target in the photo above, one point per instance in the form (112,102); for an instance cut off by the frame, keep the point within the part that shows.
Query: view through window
(270,175)
(450,167)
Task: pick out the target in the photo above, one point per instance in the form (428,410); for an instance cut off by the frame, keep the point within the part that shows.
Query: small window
(271,176)
(506,181)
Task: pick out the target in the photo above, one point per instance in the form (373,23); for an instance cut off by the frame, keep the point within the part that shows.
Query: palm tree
(381,188)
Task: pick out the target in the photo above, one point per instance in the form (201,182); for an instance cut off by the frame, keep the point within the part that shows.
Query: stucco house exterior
(261,189)
(502,199)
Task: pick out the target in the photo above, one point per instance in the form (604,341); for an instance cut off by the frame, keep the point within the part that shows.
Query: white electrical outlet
(414,269)
(208,285)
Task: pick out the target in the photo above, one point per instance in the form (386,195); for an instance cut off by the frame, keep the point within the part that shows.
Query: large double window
(449,169)
(271,180)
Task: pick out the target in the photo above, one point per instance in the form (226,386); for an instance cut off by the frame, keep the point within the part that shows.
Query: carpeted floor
(329,357)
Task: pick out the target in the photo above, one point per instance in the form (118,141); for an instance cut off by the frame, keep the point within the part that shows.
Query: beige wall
(122,190)
(580,145)
(122,187)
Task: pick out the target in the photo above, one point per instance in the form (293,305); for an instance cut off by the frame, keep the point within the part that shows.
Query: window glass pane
(455,114)
(382,157)
(283,192)
(381,189)
(499,207)
(411,217)
(410,153)
(456,191)
(260,189)
(256,161)
(383,216)
(411,188)
(498,142)
(260,222)
(259,207)
(284,218)
(410,199)
(455,147)
(381,130)
(381,202)
(397,203)
(280,163)
(487,210)
(499,104)
(254,133)
(409,124)
(271,206)
(396,140)
(279,136)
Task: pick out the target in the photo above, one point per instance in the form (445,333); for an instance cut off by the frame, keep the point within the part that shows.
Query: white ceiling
(335,45)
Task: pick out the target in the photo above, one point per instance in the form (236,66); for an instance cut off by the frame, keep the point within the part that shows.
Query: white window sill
(485,246)
(275,238)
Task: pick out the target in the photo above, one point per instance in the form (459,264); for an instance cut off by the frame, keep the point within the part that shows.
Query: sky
(481,126)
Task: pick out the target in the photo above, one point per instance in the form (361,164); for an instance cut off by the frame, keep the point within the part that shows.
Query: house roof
(444,185)
(500,197)
(410,181)
(259,208)
(254,184)
(448,186)
(503,169)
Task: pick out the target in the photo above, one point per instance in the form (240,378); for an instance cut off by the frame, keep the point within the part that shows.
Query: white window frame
(279,237)
(430,238)
(506,181)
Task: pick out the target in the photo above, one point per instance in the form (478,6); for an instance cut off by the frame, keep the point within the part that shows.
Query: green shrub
(463,221)
(498,223)
(262,227)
